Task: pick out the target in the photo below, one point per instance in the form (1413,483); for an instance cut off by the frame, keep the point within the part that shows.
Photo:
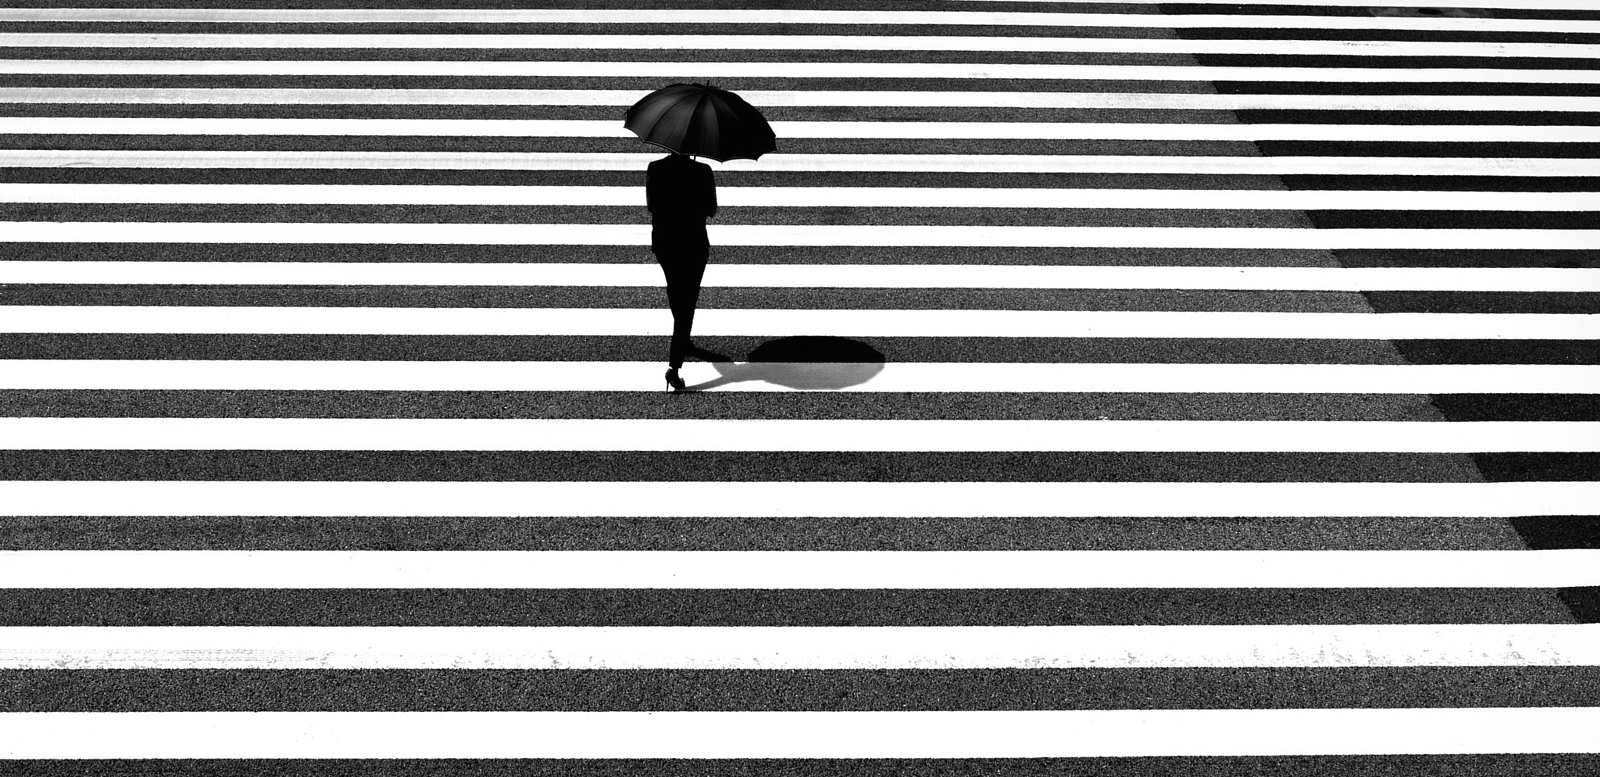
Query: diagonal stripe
(865,276)
(831,43)
(774,99)
(798,570)
(712,647)
(329,375)
(797,235)
(798,500)
(1040,130)
(679,435)
(851,70)
(778,163)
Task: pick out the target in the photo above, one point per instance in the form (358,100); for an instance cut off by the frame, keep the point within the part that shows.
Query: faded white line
(792,648)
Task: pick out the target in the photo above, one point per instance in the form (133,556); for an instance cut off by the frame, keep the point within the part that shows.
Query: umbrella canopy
(701,120)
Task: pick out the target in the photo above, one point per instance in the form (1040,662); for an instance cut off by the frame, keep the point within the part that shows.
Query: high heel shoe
(674,383)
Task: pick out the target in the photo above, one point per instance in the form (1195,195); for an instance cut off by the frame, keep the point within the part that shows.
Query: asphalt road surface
(1115,388)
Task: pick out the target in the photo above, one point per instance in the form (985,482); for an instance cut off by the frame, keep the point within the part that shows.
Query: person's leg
(683,295)
(683,275)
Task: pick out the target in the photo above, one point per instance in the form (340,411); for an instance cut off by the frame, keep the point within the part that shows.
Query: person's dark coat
(681,194)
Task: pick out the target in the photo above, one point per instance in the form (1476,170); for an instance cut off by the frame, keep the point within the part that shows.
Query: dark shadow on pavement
(813,363)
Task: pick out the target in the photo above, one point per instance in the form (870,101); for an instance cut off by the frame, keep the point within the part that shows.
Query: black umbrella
(701,120)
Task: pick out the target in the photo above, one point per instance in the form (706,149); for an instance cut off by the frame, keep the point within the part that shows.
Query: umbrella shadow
(811,363)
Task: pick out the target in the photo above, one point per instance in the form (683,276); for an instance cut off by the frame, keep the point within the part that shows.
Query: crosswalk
(1143,388)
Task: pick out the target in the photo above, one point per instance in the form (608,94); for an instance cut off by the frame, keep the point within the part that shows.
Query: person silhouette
(680,194)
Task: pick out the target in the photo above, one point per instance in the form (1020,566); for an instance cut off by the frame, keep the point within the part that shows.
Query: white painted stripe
(773,196)
(989,734)
(997,130)
(802,570)
(849,276)
(790,163)
(672,435)
(799,570)
(855,70)
(319,375)
(793,499)
(714,647)
(776,16)
(775,99)
(800,43)
(784,16)
(378,233)
(90,319)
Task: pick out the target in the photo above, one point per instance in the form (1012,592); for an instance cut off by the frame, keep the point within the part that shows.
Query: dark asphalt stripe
(726,178)
(891,255)
(1512,467)
(1482,302)
(1339,60)
(1496,351)
(895,349)
(710,55)
(250,690)
(775,113)
(1508,765)
(1485,183)
(970,534)
(764,466)
(1429,149)
(791,405)
(885,215)
(888,215)
(1288,33)
(1336,116)
(184,607)
(1252,9)
(1424,257)
(1518,765)
(1484,87)
(733,29)
(642,83)
(1518,407)
(1557,532)
(544,297)
(547,145)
